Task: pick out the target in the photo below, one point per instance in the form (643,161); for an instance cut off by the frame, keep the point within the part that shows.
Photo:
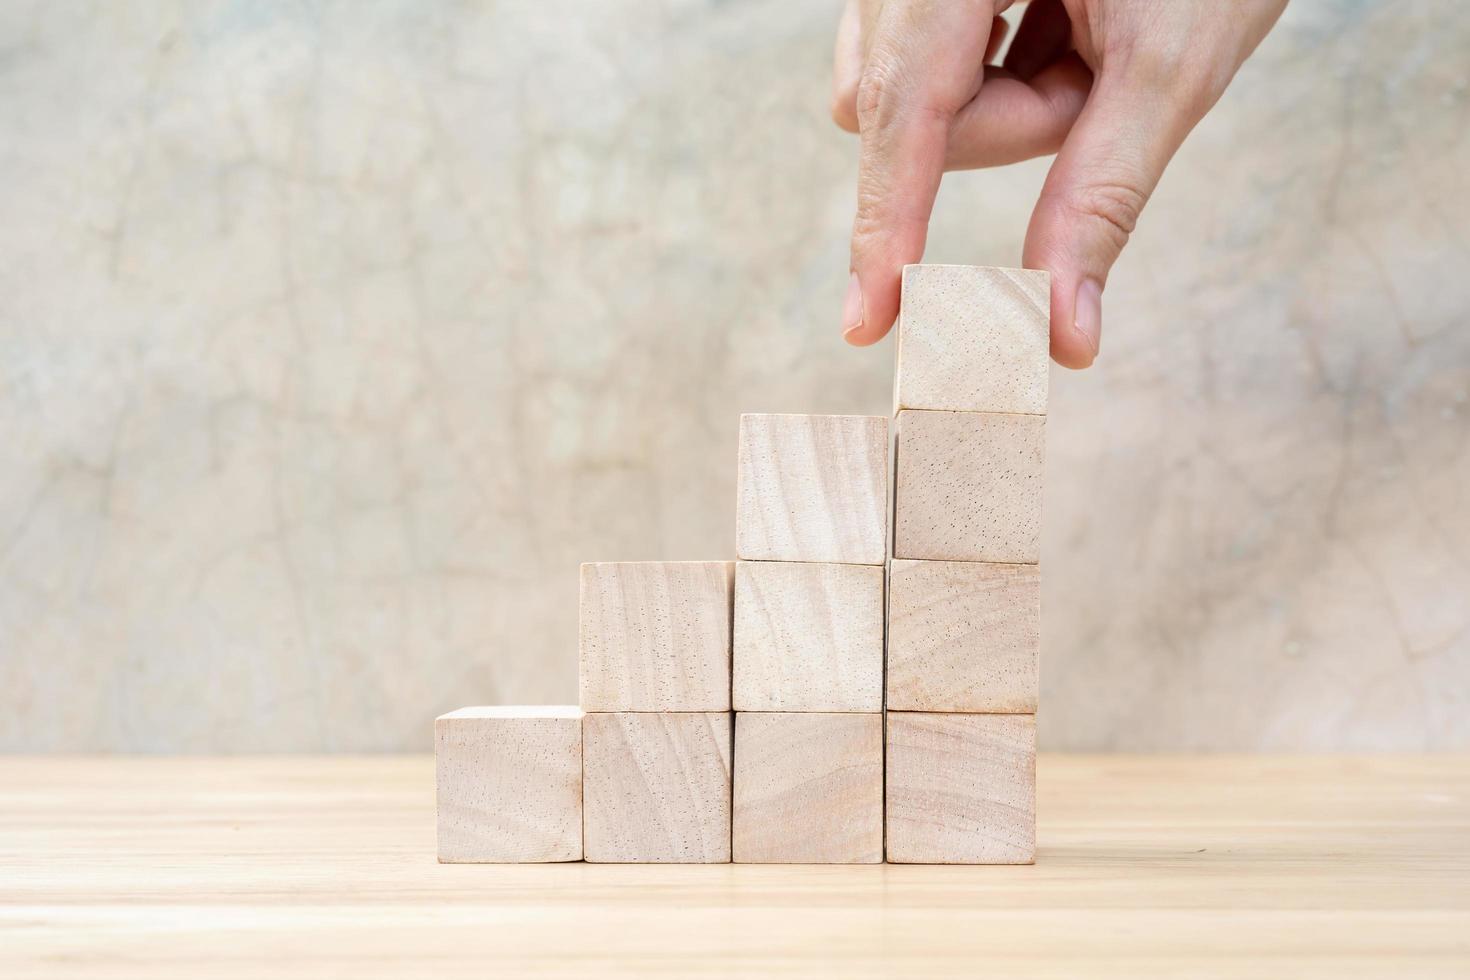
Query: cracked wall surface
(334,335)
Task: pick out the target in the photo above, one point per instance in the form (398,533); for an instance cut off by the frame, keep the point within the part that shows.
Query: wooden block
(509,783)
(658,787)
(655,636)
(808,788)
(812,488)
(961,788)
(973,339)
(808,637)
(969,486)
(963,636)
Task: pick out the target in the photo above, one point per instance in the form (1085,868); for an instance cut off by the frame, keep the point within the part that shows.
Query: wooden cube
(808,788)
(657,787)
(812,488)
(973,339)
(655,636)
(509,782)
(969,486)
(963,636)
(961,788)
(808,637)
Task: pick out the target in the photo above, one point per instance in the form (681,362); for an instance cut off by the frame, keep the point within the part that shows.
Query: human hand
(1111,86)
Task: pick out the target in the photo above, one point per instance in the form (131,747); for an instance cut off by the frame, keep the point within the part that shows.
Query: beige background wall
(333,336)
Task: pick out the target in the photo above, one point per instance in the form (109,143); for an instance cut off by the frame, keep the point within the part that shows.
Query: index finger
(926,60)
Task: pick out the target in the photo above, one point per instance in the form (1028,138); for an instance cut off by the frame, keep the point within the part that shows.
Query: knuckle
(876,92)
(868,227)
(885,91)
(1177,75)
(1115,204)
(1187,89)
(890,86)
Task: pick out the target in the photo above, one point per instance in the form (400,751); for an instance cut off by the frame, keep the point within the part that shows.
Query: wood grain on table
(1147,866)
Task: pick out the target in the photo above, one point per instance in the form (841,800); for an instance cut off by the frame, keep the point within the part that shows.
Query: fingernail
(852,306)
(1087,313)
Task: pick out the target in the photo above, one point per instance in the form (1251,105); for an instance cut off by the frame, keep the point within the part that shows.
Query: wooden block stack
(811,535)
(736,710)
(964,613)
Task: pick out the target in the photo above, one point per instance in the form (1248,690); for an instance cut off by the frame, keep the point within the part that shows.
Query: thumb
(1098,185)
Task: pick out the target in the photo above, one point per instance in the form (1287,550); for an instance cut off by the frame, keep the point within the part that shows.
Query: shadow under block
(657,787)
(963,636)
(968,486)
(808,788)
(655,636)
(973,339)
(961,788)
(808,637)
(812,488)
(509,784)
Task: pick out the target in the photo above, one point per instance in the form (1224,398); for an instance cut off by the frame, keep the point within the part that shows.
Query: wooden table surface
(1148,866)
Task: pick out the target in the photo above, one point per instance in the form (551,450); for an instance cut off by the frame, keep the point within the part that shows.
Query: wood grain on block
(969,486)
(973,339)
(655,636)
(657,787)
(808,788)
(963,636)
(509,783)
(961,788)
(808,637)
(812,488)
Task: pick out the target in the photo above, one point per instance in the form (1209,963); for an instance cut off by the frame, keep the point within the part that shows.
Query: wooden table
(1148,866)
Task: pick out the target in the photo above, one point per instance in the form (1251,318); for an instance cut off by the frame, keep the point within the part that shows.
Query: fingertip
(1087,314)
(864,321)
(865,335)
(881,290)
(847,66)
(844,110)
(1071,350)
(999,29)
(1076,324)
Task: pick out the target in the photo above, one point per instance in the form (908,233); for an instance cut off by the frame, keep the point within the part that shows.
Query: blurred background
(334,335)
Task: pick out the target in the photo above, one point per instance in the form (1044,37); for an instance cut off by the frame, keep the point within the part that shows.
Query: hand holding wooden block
(808,637)
(812,488)
(657,787)
(969,486)
(973,339)
(655,636)
(509,784)
(961,788)
(963,636)
(808,788)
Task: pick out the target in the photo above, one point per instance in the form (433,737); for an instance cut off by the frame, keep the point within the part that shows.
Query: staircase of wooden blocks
(770,709)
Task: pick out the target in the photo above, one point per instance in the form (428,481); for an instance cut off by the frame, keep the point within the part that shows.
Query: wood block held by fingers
(808,788)
(509,784)
(812,488)
(963,636)
(973,339)
(961,788)
(969,486)
(655,636)
(808,637)
(657,787)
